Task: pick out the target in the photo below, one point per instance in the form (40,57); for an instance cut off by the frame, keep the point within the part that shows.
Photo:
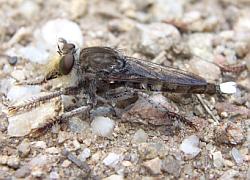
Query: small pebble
(140,136)
(22,172)
(77,125)
(34,54)
(114,177)
(171,165)
(229,174)
(85,154)
(54,175)
(66,163)
(218,160)
(18,92)
(13,162)
(238,158)
(53,150)
(24,148)
(153,165)
(29,8)
(78,8)
(12,60)
(56,28)
(21,124)
(39,144)
(112,159)
(39,161)
(190,146)
(154,38)
(207,70)
(152,150)
(102,126)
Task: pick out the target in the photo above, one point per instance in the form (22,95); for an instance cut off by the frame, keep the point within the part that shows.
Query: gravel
(135,139)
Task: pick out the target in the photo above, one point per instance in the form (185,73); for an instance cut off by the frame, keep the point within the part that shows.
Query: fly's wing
(111,66)
(136,72)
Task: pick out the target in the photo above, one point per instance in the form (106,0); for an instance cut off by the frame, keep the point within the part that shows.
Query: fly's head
(64,64)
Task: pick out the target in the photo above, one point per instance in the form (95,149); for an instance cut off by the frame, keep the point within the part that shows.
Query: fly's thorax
(100,59)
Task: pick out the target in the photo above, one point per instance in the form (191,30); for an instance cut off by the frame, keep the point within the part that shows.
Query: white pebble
(190,146)
(22,124)
(18,92)
(102,126)
(85,154)
(237,156)
(34,54)
(64,28)
(29,8)
(228,87)
(112,159)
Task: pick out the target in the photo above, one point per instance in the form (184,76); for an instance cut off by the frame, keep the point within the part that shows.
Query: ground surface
(197,36)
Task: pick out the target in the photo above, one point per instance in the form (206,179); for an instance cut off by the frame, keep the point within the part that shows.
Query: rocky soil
(210,38)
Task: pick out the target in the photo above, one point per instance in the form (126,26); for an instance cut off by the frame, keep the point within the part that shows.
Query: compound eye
(69,46)
(66,64)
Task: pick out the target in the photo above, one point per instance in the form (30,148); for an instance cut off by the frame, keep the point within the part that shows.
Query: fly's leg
(119,94)
(36,101)
(42,128)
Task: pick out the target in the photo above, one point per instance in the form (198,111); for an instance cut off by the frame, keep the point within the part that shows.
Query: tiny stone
(62,136)
(54,175)
(18,92)
(37,172)
(114,177)
(56,28)
(34,54)
(72,145)
(102,126)
(237,156)
(218,159)
(96,157)
(29,8)
(207,70)
(13,162)
(140,136)
(12,60)
(228,163)
(85,154)
(171,165)
(112,159)
(22,172)
(190,146)
(77,125)
(66,163)
(154,166)
(39,161)
(24,148)
(229,174)
(154,38)
(52,150)
(39,144)
(126,163)
(78,8)
(224,114)
(152,150)
(3,159)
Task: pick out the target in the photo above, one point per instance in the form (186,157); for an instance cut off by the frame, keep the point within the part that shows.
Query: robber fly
(101,70)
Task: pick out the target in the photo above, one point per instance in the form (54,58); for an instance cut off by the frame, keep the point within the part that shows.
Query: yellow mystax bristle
(53,64)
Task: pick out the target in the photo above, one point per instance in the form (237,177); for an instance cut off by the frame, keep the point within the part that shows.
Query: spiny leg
(35,101)
(119,94)
(58,119)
